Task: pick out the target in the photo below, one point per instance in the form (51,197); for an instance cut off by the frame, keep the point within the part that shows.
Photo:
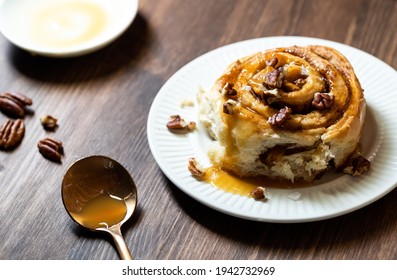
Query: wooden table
(102,102)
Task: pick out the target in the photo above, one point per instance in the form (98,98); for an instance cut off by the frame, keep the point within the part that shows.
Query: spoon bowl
(100,195)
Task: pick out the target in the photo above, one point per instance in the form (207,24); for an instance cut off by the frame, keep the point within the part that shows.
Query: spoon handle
(118,238)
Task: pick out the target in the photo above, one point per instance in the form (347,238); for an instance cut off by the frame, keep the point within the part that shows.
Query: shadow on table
(130,47)
(329,239)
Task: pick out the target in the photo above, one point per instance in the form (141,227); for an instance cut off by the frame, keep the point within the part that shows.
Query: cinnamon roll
(284,113)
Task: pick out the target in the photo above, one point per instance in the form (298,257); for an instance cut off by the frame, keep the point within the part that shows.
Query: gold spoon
(100,195)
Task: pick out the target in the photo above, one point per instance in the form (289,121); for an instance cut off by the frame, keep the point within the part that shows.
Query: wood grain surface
(102,102)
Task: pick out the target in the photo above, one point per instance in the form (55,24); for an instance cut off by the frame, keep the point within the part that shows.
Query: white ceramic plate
(331,196)
(65,28)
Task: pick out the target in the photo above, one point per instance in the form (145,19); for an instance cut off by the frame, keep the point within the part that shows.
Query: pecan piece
(258,193)
(195,168)
(279,118)
(300,82)
(49,122)
(51,149)
(272,61)
(178,123)
(228,90)
(13,104)
(356,166)
(191,126)
(228,106)
(11,134)
(323,101)
(275,78)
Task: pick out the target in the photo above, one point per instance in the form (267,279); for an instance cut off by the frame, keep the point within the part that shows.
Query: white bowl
(65,28)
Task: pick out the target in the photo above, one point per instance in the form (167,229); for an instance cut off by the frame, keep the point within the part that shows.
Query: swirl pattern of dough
(284,113)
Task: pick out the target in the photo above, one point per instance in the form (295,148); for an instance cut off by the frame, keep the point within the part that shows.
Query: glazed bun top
(290,100)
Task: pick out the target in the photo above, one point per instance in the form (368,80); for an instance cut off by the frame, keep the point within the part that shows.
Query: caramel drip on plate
(243,186)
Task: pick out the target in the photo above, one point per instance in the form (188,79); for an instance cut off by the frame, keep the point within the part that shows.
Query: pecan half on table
(13,104)
(51,149)
(11,134)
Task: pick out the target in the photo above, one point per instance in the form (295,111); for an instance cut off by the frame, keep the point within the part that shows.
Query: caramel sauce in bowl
(65,28)
(100,195)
